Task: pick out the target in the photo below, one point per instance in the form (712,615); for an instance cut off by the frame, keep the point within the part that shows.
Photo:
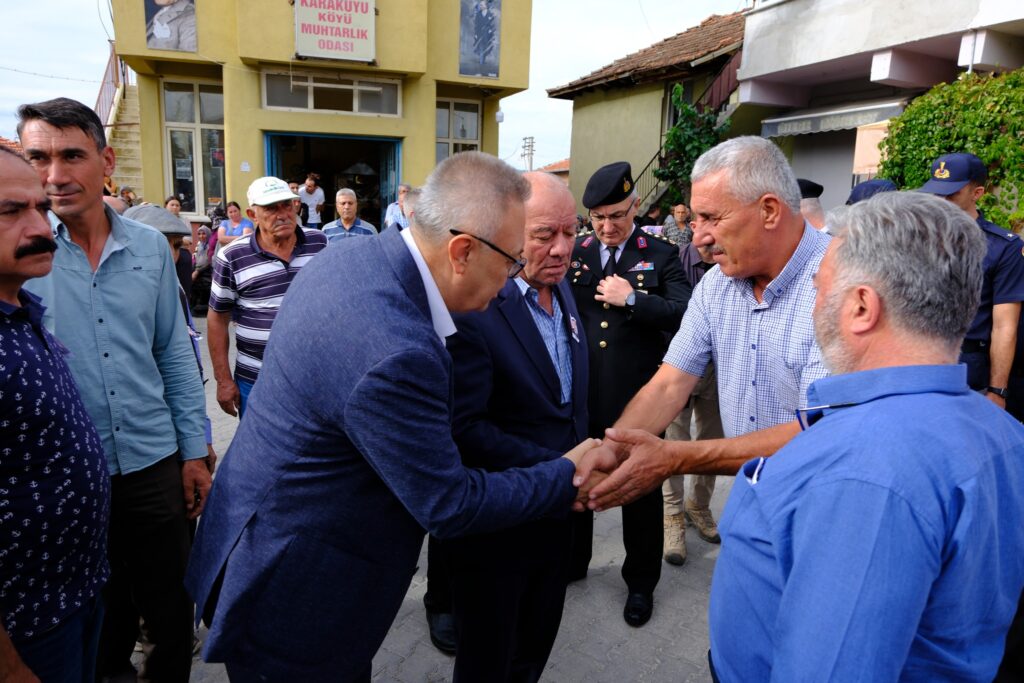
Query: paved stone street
(594,643)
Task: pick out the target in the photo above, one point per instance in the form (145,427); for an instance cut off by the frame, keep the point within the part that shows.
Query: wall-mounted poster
(479,38)
(171,25)
(336,29)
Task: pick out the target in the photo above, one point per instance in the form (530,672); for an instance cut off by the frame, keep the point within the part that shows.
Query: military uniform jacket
(627,343)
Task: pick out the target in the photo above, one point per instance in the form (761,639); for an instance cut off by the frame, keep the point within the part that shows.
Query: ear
(771,211)
(862,309)
(977,192)
(459,249)
(251,213)
(109,160)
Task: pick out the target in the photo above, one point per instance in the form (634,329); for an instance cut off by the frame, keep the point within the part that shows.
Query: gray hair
(469,191)
(407,186)
(922,254)
(345,192)
(756,167)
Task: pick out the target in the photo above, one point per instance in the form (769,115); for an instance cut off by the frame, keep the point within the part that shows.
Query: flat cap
(809,189)
(609,185)
(158,217)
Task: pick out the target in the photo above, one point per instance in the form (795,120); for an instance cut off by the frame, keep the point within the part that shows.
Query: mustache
(38,245)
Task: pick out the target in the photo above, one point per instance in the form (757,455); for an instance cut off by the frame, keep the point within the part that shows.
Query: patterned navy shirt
(253,280)
(54,486)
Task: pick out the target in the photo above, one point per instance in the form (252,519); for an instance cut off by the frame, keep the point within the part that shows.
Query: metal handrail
(116,76)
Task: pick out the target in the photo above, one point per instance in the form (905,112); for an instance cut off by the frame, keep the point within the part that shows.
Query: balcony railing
(116,75)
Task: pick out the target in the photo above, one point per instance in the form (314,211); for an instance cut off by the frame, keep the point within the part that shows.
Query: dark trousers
(508,589)
(642,536)
(239,672)
(1011,670)
(67,653)
(438,598)
(978,364)
(148,549)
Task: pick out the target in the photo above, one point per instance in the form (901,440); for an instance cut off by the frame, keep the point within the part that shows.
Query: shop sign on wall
(336,29)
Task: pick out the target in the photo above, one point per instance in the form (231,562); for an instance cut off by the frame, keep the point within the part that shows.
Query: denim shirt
(129,346)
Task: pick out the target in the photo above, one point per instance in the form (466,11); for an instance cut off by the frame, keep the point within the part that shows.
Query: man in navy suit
(319,509)
(520,398)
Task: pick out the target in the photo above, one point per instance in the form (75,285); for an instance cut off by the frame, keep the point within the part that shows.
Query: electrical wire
(59,78)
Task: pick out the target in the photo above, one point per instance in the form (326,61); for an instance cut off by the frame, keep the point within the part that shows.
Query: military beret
(809,189)
(609,185)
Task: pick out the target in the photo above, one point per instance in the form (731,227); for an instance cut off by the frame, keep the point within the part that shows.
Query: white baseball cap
(269,190)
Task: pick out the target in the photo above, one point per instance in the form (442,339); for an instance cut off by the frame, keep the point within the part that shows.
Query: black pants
(148,550)
(508,590)
(978,364)
(438,598)
(642,536)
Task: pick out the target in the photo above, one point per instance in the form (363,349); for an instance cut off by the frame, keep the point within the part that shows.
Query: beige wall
(617,125)
(416,43)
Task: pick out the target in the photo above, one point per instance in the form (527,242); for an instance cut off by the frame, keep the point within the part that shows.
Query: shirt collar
(118,231)
(444,326)
(830,393)
(31,306)
(805,250)
(620,245)
(300,239)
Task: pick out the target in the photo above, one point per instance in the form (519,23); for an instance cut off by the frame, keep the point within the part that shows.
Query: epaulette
(585,232)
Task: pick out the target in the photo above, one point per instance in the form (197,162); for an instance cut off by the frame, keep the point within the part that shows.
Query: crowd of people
(482,373)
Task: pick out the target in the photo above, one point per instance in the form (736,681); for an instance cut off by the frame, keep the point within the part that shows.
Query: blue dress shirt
(552,331)
(882,544)
(130,351)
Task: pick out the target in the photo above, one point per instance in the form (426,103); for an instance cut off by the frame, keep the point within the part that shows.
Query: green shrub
(693,134)
(978,113)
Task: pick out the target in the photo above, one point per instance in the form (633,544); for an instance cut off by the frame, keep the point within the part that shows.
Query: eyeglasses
(806,417)
(613,217)
(516,265)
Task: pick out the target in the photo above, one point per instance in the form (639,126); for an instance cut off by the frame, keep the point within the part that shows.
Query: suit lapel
(592,257)
(513,306)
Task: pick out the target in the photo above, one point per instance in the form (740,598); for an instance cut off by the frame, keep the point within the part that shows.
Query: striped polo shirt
(253,281)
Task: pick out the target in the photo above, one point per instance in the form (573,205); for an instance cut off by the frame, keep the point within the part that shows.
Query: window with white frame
(331,93)
(193,115)
(458,127)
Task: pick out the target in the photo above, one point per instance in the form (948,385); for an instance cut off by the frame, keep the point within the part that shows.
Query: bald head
(550,230)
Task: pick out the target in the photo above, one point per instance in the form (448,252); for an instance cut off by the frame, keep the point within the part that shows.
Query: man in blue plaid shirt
(751,316)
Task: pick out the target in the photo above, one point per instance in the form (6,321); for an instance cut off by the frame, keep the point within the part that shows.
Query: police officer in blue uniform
(989,347)
(631,293)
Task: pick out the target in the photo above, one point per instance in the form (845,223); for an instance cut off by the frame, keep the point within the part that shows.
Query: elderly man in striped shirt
(751,315)
(251,275)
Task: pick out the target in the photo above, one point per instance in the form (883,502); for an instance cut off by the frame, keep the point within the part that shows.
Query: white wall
(827,159)
(794,33)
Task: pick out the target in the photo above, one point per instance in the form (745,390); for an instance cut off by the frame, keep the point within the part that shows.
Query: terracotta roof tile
(557,167)
(11,145)
(674,53)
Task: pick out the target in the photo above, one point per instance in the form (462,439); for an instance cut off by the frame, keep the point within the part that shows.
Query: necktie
(609,266)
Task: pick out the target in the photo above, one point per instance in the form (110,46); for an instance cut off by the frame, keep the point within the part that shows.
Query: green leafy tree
(693,134)
(978,113)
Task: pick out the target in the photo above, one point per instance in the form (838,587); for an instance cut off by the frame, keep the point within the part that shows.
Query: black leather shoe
(442,631)
(638,609)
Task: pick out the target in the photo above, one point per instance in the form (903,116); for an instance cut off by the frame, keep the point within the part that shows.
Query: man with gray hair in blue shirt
(113,296)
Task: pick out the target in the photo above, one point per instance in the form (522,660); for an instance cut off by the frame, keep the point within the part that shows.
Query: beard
(834,352)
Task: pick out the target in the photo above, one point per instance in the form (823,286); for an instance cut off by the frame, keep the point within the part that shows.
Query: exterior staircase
(125,137)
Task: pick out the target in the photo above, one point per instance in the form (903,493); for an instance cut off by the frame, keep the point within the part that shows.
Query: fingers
(577,453)
(599,459)
(228,407)
(616,490)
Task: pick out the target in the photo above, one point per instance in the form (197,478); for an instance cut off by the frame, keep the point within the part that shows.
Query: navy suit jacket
(316,519)
(508,402)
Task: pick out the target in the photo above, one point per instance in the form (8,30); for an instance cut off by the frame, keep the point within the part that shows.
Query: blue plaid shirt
(552,331)
(765,351)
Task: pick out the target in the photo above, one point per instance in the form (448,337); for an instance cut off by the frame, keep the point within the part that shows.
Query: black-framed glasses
(516,265)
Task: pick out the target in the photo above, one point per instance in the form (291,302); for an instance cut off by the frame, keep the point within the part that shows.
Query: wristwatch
(1000,392)
(631,299)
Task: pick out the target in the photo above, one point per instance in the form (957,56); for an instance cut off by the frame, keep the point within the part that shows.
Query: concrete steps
(126,139)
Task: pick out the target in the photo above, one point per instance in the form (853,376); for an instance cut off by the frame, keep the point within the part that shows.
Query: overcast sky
(64,50)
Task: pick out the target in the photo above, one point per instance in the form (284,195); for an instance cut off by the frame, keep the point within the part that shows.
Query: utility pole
(528,152)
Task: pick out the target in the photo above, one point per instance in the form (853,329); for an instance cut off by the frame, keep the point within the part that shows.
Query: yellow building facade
(366,94)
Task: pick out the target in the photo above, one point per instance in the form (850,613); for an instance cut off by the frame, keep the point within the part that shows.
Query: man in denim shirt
(113,297)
